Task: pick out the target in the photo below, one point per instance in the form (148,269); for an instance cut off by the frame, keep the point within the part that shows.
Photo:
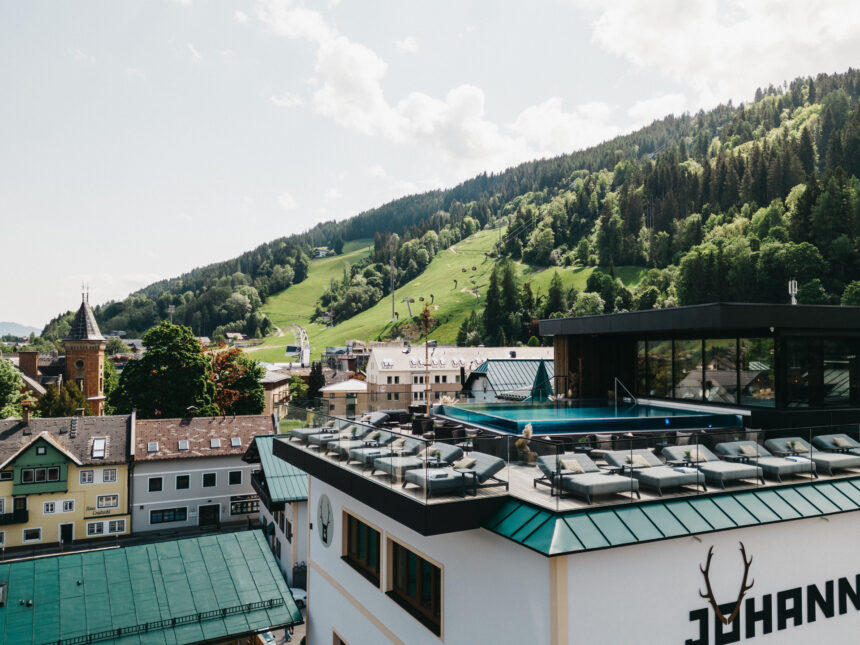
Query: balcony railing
(15,517)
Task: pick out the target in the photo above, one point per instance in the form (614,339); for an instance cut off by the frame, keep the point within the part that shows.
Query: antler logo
(710,593)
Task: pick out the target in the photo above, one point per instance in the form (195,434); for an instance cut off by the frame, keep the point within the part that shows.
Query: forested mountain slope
(721,205)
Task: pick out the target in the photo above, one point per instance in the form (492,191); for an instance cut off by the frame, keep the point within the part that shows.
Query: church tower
(85,356)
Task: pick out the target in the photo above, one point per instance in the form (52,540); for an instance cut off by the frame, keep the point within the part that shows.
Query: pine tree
(806,152)
(493,313)
(554,297)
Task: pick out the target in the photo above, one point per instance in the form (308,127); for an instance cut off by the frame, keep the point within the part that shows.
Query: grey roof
(512,377)
(114,428)
(84,326)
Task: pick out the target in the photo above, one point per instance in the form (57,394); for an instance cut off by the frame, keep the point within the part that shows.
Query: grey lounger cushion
(589,485)
(396,466)
(657,476)
(772,467)
(826,462)
(302,434)
(826,442)
(324,438)
(485,465)
(437,480)
(367,455)
(716,471)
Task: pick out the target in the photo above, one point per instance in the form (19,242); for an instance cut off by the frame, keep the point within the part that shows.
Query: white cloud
(240,16)
(286,201)
(646,111)
(286,100)
(725,49)
(376,170)
(331,194)
(195,55)
(226,53)
(186,217)
(408,45)
(348,88)
(133,72)
(81,57)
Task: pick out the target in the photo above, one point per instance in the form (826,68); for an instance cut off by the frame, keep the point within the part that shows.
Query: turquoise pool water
(552,418)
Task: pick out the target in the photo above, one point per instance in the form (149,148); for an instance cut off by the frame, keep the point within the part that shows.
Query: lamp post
(426,323)
(792,290)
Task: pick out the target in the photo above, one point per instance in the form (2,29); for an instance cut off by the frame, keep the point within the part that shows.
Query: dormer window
(152,446)
(214,443)
(99,448)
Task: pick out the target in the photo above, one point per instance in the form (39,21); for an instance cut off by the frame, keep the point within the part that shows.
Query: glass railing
(433,459)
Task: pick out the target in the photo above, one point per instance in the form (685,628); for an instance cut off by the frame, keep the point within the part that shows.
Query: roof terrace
(456,477)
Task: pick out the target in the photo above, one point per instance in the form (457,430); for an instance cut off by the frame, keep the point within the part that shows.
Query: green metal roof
(590,529)
(520,377)
(185,590)
(285,482)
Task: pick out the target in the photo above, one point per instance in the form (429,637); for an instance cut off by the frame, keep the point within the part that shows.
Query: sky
(139,140)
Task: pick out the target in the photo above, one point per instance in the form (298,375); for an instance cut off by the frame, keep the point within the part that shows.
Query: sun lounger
(324,438)
(577,474)
(826,462)
(652,473)
(342,446)
(389,444)
(476,470)
(302,434)
(716,471)
(772,467)
(841,443)
(395,466)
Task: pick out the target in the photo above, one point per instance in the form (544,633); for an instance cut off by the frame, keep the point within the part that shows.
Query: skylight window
(99,448)
(235,442)
(183,444)
(214,443)
(152,446)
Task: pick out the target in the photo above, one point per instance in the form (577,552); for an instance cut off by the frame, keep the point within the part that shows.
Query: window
(397,396)
(437,379)
(389,380)
(235,477)
(209,480)
(214,443)
(109,475)
(168,515)
(155,484)
(183,444)
(235,442)
(444,378)
(416,585)
(2,505)
(19,503)
(245,506)
(86,476)
(396,380)
(116,526)
(41,450)
(49,507)
(107,501)
(40,475)
(389,396)
(331,395)
(7,475)
(32,535)
(69,506)
(152,446)
(99,448)
(2,538)
(95,528)
(361,550)
(456,378)
(182,481)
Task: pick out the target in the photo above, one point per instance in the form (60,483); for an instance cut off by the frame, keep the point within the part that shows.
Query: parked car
(300,596)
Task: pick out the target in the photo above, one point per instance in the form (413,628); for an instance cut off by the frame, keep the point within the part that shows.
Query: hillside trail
(453,249)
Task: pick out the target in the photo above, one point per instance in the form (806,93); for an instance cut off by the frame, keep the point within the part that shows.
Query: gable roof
(181,591)
(46,436)
(351,385)
(114,429)
(199,432)
(285,482)
(84,325)
(516,378)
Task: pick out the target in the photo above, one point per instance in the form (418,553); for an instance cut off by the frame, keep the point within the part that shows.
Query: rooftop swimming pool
(557,418)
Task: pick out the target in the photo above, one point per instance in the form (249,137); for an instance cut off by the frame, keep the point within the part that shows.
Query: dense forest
(727,204)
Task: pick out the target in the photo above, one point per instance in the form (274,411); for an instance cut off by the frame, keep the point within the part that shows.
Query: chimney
(513,354)
(79,412)
(28,362)
(25,412)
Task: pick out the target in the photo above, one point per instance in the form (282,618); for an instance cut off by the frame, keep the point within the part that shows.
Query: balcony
(15,517)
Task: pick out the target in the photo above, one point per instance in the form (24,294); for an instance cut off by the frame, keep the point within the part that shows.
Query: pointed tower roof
(84,326)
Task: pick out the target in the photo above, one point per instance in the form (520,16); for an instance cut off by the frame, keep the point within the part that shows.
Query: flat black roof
(724,316)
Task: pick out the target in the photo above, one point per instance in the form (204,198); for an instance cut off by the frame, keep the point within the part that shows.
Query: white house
(189,472)
(757,562)
(397,375)
(283,492)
